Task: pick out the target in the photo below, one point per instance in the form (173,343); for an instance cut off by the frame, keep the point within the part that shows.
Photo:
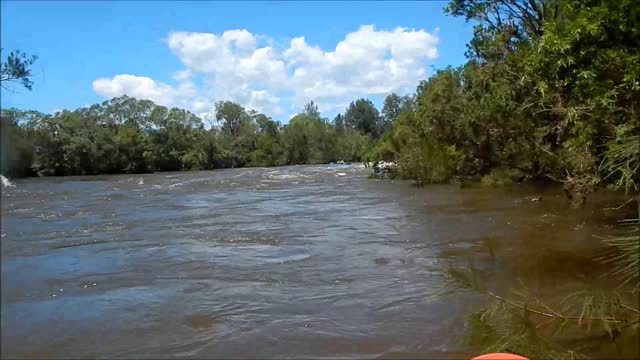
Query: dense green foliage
(362,115)
(586,322)
(17,68)
(548,88)
(126,135)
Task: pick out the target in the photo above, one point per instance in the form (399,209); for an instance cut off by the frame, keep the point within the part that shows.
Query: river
(290,262)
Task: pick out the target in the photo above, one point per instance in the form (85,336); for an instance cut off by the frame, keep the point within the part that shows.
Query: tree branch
(6,88)
(556,316)
(618,208)
(630,308)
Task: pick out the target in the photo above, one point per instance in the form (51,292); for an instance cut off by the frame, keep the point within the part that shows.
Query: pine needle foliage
(521,323)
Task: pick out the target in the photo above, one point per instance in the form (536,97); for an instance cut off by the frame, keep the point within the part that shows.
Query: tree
(392,106)
(269,151)
(17,141)
(268,148)
(311,109)
(266,125)
(503,25)
(16,68)
(308,140)
(338,123)
(232,116)
(362,115)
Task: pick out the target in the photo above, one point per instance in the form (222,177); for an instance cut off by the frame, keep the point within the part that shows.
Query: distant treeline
(126,135)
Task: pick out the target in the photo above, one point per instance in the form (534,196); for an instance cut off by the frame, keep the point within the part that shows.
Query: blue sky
(272,56)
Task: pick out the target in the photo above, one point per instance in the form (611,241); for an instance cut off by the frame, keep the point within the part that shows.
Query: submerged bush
(502,176)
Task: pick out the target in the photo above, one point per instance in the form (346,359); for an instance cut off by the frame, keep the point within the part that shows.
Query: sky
(272,56)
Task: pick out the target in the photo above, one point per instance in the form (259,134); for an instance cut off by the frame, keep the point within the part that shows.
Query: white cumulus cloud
(240,66)
(136,86)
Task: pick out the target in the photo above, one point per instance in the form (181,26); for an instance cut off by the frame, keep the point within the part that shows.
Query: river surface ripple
(291,262)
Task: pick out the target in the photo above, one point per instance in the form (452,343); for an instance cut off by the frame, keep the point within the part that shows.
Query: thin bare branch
(561,317)
(630,308)
(621,206)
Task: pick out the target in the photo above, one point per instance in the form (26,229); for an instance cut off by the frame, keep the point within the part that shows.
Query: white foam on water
(241,174)
(294,175)
(6,182)
(188,182)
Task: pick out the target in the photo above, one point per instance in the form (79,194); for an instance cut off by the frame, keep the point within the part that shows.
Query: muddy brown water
(291,262)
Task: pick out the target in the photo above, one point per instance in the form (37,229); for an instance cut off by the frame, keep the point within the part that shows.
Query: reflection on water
(303,261)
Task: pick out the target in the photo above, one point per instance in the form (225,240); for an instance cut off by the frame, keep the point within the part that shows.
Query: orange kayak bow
(499,356)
